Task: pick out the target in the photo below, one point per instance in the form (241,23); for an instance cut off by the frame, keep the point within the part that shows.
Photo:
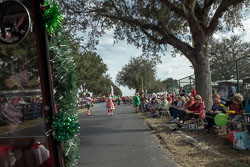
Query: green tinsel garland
(65,125)
(52,17)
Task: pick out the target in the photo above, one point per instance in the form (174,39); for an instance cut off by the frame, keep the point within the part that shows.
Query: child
(235,104)
(88,102)
(110,106)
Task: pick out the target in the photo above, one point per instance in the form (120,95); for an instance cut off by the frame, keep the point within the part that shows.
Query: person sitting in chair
(235,105)
(216,109)
(194,111)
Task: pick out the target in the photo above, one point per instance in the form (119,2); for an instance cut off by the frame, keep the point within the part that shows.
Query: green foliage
(117,90)
(71,150)
(19,57)
(137,72)
(102,86)
(151,24)
(89,69)
(91,72)
(223,54)
(52,17)
(170,84)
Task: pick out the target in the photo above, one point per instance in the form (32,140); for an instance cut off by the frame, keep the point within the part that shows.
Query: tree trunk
(203,76)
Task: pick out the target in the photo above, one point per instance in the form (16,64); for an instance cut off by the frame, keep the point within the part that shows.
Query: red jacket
(199,110)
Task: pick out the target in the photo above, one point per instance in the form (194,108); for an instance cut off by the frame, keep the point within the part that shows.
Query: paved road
(122,140)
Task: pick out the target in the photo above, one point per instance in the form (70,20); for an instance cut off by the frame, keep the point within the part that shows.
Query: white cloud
(243,32)
(174,67)
(116,56)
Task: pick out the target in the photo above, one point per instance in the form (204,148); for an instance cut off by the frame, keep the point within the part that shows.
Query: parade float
(38,114)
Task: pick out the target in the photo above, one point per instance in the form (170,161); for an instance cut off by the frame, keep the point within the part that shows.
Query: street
(121,140)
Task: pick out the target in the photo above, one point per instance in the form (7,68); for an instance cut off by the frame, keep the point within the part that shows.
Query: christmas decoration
(65,125)
(52,17)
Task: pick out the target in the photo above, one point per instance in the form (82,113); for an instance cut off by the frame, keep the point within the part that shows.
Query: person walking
(110,106)
(88,102)
(137,102)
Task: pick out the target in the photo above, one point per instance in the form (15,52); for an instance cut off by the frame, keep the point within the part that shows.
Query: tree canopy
(186,25)
(19,61)
(89,68)
(139,72)
(223,54)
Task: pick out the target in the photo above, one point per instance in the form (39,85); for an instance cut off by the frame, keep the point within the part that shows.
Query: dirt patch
(197,148)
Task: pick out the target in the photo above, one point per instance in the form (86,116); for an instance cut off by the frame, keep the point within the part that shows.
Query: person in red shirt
(193,91)
(194,111)
(235,105)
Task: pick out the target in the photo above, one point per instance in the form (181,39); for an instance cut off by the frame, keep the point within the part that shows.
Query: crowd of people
(183,107)
(16,109)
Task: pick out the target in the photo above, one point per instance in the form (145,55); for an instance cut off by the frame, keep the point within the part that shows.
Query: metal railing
(229,77)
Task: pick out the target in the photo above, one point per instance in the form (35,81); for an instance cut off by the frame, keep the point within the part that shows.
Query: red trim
(46,83)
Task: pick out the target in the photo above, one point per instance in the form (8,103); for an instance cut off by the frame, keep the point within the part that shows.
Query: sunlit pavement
(121,140)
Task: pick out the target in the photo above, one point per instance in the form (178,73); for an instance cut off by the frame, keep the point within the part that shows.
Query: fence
(186,83)
(227,78)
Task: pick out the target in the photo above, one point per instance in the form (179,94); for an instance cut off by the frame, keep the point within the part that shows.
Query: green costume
(137,101)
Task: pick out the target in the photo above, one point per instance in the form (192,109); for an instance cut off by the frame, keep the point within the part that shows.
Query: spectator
(142,98)
(182,91)
(169,98)
(156,108)
(216,109)
(235,105)
(190,101)
(182,102)
(194,111)
(165,103)
(137,102)
(230,94)
(193,91)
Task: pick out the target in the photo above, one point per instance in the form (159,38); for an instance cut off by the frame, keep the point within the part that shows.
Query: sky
(118,55)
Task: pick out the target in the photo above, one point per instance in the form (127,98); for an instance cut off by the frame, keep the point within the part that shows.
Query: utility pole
(238,76)
(142,84)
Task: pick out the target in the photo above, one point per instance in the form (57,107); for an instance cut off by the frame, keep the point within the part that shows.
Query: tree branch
(174,8)
(225,4)
(167,38)
(208,3)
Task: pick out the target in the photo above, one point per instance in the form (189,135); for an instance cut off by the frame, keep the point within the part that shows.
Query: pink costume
(110,106)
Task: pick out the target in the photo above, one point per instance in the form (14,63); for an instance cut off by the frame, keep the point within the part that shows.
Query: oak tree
(152,25)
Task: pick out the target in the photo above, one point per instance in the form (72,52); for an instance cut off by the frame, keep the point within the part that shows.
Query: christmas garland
(65,124)
(65,127)
(52,17)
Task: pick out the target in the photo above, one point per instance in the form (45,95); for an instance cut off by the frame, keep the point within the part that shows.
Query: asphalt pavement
(121,140)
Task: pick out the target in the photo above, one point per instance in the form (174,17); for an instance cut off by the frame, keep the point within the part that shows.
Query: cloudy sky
(116,56)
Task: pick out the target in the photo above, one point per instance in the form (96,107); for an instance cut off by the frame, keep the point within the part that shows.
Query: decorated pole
(46,82)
